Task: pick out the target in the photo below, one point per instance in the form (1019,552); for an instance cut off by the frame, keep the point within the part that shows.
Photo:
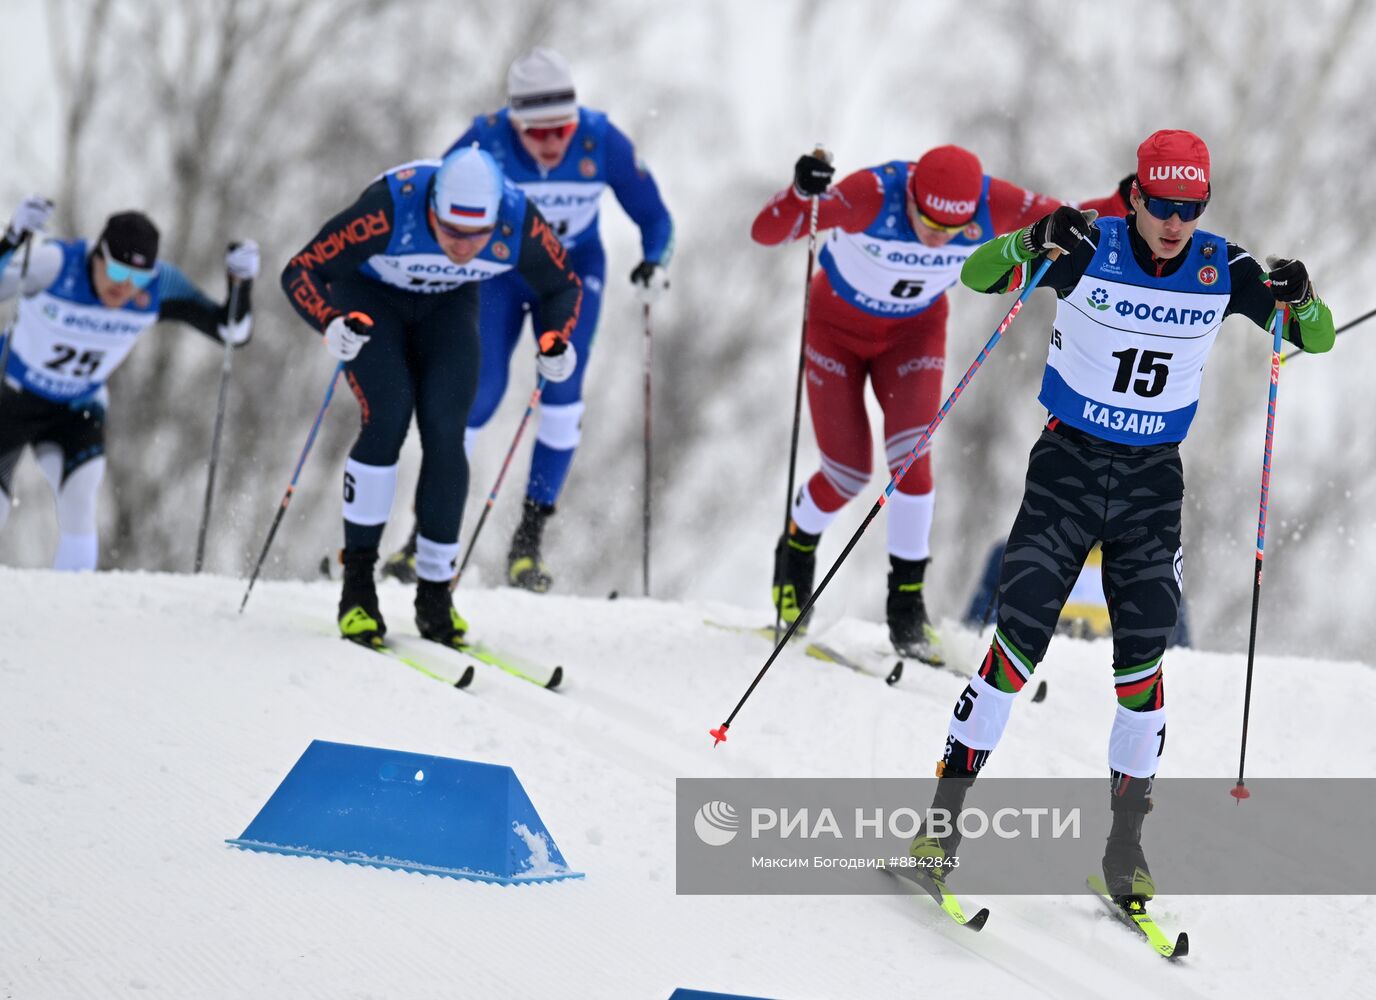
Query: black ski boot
(795,563)
(360,620)
(524,567)
(909,629)
(401,564)
(933,852)
(435,615)
(1126,874)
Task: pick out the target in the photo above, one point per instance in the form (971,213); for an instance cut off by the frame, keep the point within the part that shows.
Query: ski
(949,904)
(514,665)
(820,651)
(1136,917)
(816,650)
(463,680)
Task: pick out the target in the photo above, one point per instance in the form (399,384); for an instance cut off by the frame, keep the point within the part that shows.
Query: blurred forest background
(259,118)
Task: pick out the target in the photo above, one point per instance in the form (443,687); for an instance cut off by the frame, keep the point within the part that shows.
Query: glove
(30,217)
(557,358)
(1061,230)
(1289,280)
(812,174)
(346,335)
(242,260)
(237,334)
(651,281)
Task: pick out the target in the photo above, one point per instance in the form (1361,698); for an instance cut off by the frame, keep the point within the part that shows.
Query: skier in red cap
(900,232)
(1139,304)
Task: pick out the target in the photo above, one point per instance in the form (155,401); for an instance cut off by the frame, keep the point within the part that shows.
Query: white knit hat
(468,188)
(539,87)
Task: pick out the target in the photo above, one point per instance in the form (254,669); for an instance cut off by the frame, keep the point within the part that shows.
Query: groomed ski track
(143,721)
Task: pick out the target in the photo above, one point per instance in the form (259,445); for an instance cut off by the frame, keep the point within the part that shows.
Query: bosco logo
(587,167)
(1208,274)
(500,250)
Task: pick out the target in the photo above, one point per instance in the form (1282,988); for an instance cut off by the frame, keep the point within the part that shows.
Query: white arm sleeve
(45,264)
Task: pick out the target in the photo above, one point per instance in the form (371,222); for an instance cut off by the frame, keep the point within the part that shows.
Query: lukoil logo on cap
(949,205)
(1177,172)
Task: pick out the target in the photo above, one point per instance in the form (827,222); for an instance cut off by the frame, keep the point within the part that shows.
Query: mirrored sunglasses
(140,277)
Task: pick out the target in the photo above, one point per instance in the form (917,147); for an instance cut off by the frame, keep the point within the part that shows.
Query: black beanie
(131,238)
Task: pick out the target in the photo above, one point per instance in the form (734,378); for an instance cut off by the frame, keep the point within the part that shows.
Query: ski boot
(401,564)
(360,620)
(934,854)
(1126,873)
(910,632)
(795,563)
(524,567)
(435,615)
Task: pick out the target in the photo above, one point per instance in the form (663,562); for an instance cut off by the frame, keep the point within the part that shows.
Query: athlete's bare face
(1165,237)
(546,142)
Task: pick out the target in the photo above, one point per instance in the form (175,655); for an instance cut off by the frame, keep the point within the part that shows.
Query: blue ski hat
(467,189)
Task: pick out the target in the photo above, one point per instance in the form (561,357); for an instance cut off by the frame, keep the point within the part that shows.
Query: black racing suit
(423,354)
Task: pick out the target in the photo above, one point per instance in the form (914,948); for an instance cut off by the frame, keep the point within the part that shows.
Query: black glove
(1061,230)
(1289,280)
(812,175)
(650,281)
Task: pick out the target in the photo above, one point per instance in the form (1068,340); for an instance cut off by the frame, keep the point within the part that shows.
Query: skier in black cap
(82,307)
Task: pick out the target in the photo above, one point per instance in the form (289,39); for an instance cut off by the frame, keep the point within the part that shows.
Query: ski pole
(492,496)
(9,335)
(225,364)
(291,487)
(821,154)
(1240,791)
(719,735)
(645,491)
(1346,326)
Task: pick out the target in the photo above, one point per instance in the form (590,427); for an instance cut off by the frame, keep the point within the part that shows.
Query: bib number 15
(1151,365)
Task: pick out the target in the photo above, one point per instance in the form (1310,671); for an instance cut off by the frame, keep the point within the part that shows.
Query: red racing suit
(849,338)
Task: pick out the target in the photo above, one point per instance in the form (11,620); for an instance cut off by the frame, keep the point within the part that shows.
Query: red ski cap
(1174,164)
(946,184)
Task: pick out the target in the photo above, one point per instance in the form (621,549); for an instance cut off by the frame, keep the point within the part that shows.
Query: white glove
(238,333)
(242,260)
(557,367)
(651,281)
(346,335)
(30,217)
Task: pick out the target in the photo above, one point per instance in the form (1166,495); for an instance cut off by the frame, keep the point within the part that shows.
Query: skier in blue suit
(563,157)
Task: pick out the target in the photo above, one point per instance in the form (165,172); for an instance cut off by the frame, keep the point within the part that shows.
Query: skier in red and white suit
(900,232)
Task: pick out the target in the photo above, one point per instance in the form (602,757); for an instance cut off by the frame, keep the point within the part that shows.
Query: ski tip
(466,679)
(895,674)
(1040,694)
(718,735)
(613,595)
(1182,946)
(977,922)
(555,679)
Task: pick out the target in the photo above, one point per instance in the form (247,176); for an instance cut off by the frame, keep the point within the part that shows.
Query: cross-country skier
(1139,303)
(82,307)
(563,156)
(392,283)
(877,309)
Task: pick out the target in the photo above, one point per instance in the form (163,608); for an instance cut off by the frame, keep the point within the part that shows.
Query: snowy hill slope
(142,721)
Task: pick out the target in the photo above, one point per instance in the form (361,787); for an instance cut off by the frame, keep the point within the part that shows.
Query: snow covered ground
(142,721)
